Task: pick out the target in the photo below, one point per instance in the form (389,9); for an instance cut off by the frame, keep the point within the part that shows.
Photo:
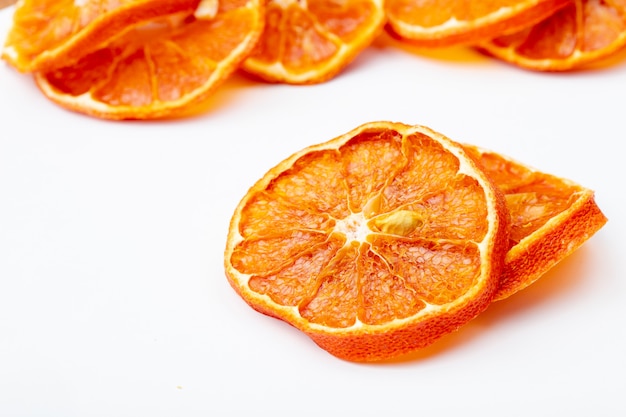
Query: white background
(113,298)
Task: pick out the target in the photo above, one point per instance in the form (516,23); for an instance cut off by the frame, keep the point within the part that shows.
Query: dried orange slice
(47,33)
(311,41)
(583,32)
(431,23)
(160,68)
(551,217)
(374,244)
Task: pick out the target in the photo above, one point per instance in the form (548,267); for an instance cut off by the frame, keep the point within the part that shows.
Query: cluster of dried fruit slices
(143,59)
(384,239)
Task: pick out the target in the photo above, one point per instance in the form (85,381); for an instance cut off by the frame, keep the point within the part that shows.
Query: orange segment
(433,23)
(551,217)
(374,244)
(311,41)
(48,33)
(160,68)
(583,32)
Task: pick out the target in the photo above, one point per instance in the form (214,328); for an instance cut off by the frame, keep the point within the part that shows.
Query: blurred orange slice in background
(161,67)
(583,32)
(311,41)
(433,23)
(48,33)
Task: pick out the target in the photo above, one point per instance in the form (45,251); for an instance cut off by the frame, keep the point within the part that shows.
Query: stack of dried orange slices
(132,59)
(141,59)
(382,240)
(542,35)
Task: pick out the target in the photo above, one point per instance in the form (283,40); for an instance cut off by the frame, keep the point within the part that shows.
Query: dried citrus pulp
(311,41)
(433,23)
(159,57)
(374,244)
(551,217)
(582,32)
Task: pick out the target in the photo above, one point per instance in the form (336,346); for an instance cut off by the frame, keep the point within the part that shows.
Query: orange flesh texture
(581,32)
(153,69)
(550,218)
(380,228)
(312,41)
(532,197)
(47,33)
(433,23)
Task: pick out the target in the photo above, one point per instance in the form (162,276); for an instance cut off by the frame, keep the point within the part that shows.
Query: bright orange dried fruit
(432,23)
(551,217)
(311,42)
(374,244)
(581,33)
(49,33)
(144,69)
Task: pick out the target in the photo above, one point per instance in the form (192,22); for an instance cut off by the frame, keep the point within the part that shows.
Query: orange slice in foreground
(583,32)
(47,33)
(551,217)
(374,244)
(432,23)
(160,68)
(312,41)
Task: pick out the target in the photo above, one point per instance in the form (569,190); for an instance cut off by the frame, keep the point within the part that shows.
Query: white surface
(113,298)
